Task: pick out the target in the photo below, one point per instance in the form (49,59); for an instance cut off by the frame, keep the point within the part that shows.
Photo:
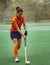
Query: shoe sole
(16,61)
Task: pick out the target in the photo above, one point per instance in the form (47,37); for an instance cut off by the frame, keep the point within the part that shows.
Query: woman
(15,31)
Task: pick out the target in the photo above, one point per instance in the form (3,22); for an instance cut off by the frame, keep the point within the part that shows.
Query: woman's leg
(15,41)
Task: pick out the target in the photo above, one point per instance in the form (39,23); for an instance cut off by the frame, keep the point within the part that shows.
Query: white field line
(39,28)
(30,28)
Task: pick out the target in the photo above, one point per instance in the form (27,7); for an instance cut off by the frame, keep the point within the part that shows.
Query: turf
(38,48)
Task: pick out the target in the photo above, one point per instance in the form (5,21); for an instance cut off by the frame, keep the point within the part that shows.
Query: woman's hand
(24,36)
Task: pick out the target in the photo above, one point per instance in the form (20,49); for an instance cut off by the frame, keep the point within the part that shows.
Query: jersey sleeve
(14,20)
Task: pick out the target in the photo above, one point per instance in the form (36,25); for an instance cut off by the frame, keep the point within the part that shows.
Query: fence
(5,21)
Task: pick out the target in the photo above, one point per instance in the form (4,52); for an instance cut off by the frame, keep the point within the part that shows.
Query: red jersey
(18,21)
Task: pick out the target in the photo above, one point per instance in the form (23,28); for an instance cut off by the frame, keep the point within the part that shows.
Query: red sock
(15,52)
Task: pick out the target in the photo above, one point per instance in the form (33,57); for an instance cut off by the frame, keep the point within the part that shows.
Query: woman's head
(19,11)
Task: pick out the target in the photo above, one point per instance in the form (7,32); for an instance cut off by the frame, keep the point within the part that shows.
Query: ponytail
(18,9)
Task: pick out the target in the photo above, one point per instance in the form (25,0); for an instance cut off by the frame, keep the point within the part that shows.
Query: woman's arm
(24,24)
(17,28)
(25,28)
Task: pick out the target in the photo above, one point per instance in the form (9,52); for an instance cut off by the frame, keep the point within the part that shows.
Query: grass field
(38,46)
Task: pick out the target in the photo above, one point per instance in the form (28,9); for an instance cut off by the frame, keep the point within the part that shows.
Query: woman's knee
(15,41)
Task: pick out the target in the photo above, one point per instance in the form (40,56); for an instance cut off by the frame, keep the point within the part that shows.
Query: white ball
(27,62)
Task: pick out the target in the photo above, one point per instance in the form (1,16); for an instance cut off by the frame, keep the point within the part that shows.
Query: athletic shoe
(16,60)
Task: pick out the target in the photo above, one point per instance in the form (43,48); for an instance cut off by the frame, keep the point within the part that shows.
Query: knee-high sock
(15,51)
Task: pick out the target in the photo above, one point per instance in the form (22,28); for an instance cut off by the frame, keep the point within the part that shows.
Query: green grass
(38,48)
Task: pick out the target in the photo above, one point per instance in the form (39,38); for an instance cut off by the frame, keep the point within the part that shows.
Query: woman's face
(19,14)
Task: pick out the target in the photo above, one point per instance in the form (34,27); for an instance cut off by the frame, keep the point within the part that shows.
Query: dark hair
(18,9)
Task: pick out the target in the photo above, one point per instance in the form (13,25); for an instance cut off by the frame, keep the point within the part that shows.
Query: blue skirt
(15,35)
